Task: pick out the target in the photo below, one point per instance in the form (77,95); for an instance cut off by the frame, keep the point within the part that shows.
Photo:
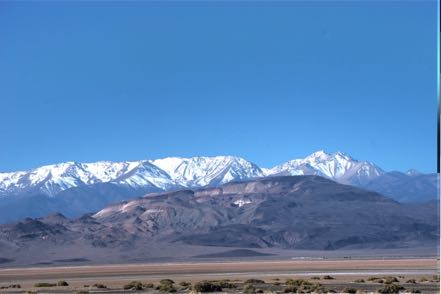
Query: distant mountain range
(75,188)
(280,212)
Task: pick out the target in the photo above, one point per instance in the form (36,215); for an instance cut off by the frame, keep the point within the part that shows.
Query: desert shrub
(226,284)
(423,279)
(11,286)
(391,288)
(316,288)
(411,281)
(276,283)
(414,291)
(166,287)
(185,284)
(166,281)
(328,277)
(44,284)
(298,282)
(207,286)
(148,285)
(82,292)
(349,290)
(62,283)
(373,279)
(390,280)
(254,281)
(435,279)
(276,279)
(249,288)
(331,291)
(290,289)
(359,281)
(134,285)
(99,286)
(315,278)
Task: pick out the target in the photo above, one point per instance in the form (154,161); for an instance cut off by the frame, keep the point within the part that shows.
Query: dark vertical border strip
(438,73)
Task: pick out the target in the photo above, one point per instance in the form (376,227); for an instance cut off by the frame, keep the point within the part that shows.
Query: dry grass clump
(349,290)
(391,288)
(12,286)
(206,286)
(166,285)
(44,284)
(134,285)
(254,281)
(62,284)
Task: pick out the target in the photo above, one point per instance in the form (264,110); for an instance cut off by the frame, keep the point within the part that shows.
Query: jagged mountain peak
(205,170)
(337,166)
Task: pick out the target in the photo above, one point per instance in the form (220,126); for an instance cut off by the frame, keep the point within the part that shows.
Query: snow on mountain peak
(175,172)
(201,171)
(337,166)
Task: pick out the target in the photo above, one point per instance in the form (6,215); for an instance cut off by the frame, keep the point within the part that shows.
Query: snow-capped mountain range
(174,172)
(76,188)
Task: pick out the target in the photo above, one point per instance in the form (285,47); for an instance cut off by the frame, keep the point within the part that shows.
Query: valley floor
(368,275)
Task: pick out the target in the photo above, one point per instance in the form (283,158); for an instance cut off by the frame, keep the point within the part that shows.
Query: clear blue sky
(267,81)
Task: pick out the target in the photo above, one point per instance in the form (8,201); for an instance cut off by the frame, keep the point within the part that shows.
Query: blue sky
(269,81)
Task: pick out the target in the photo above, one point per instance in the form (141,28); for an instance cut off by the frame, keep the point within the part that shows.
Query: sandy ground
(115,276)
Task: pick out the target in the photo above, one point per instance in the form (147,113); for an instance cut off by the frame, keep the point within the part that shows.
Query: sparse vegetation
(304,286)
(62,284)
(148,285)
(166,281)
(168,288)
(12,286)
(44,284)
(435,279)
(349,290)
(328,277)
(185,284)
(166,285)
(290,289)
(254,281)
(134,285)
(390,280)
(315,278)
(249,288)
(373,279)
(423,279)
(298,282)
(99,286)
(226,284)
(414,291)
(359,281)
(411,281)
(391,288)
(207,286)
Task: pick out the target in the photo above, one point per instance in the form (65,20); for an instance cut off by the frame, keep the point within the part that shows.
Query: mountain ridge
(74,188)
(281,212)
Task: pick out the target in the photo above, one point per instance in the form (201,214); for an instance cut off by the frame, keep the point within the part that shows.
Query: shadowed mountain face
(295,212)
